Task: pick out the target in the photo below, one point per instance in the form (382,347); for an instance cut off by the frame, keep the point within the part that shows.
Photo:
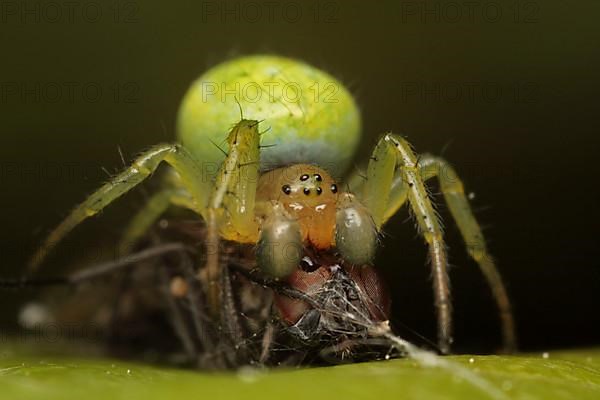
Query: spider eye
(334,188)
(304,177)
(319,190)
(286,189)
(306,191)
(318,177)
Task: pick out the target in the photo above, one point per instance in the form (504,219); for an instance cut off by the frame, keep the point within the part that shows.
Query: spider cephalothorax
(301,206)
(309,195)
(272,192)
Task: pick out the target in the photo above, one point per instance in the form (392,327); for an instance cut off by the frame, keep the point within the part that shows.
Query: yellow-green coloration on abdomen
(311,116)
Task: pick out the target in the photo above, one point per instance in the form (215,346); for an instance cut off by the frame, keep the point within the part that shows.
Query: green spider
(278,192)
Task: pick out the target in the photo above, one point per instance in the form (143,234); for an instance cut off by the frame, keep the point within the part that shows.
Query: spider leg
(189,171)
(231,327)
(230,212)
(228,209)
(390,152)
(454,195)
(147,216)
(267,342)
(452,188)
(199,312)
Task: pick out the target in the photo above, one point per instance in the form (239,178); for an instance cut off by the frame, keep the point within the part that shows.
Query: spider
(274,208)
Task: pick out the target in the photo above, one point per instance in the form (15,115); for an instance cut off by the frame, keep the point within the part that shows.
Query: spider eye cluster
(287,189)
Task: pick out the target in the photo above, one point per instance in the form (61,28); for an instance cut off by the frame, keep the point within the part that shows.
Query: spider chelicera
(274,210)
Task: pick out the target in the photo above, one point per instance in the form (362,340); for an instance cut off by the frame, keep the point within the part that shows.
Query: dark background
(508,94)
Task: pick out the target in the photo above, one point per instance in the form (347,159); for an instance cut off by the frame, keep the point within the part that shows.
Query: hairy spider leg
(453,191)
(227,205)
(393,154)
(230,212)
(146,217)
(175,155)
(454,195)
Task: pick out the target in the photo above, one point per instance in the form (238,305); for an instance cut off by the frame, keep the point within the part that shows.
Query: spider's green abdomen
(311,116)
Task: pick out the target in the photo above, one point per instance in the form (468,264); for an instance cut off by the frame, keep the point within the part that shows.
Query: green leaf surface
(558,375)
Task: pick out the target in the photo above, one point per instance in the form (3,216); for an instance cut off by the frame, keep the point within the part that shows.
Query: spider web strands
(379,332)
(99,270)
(222,347)
(425,358)
(429,359)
